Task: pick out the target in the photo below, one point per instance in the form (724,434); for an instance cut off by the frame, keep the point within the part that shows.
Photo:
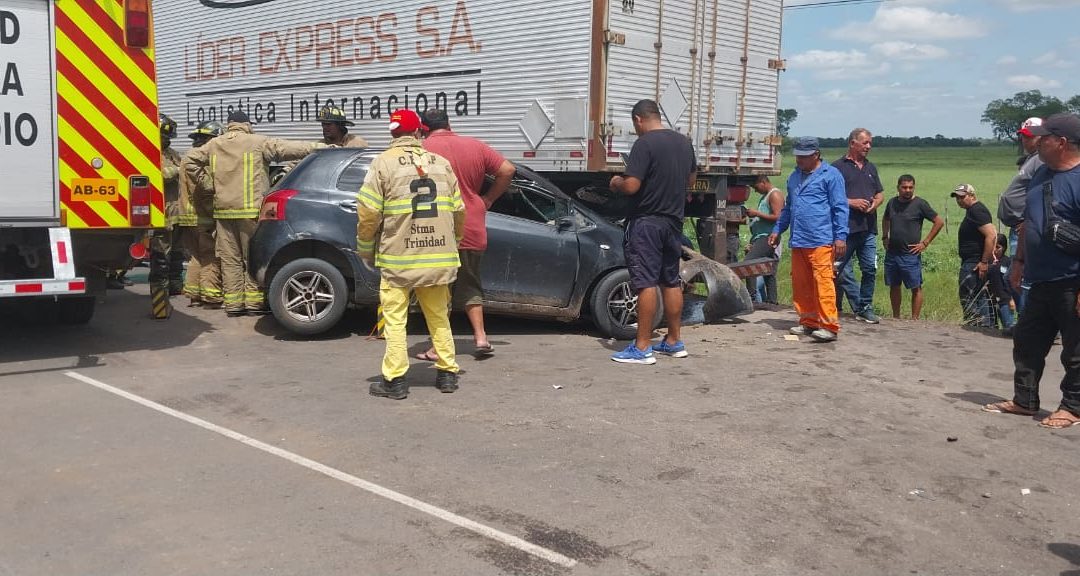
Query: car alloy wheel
(308,296)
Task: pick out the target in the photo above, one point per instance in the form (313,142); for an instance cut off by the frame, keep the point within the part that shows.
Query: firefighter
(167,256)
(335,128)
(202,284)
(410,218)
(237,164)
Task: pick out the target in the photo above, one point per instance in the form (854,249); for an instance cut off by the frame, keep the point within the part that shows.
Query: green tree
(1006,116)
(784,118)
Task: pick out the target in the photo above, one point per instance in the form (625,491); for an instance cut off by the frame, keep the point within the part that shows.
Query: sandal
(1009,407)
(427,356)
(1060,419)
(485,350)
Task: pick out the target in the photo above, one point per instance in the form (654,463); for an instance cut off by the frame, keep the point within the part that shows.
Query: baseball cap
(239,116)
(962,190)
(404,121)
(1064,125)
(806,146)
(1025,128)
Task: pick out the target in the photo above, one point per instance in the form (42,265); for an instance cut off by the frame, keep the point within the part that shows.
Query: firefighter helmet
(332,114)
(168,126)
(208,128)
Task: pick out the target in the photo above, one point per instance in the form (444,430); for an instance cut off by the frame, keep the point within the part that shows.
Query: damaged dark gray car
(549,256)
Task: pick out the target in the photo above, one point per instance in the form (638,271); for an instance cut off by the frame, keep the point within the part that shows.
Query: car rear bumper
(269,238)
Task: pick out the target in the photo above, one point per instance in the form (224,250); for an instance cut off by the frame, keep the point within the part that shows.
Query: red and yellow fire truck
(80,148)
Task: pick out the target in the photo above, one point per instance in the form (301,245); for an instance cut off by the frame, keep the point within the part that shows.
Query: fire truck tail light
(139,200)
(137,23)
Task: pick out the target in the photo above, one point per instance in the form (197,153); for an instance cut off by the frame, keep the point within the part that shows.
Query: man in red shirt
(472,161)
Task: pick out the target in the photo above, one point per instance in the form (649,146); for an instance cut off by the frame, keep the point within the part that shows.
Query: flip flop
(427,357)
(485,350)
(1008,407)
(1064,418)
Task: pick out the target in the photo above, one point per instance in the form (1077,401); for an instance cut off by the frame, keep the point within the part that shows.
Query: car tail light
(139,200)
(137,23)
(273,207)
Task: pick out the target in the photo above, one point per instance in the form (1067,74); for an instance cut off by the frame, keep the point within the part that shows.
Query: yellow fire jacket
(170,174)
(410,216)
(238,164)
(196,204)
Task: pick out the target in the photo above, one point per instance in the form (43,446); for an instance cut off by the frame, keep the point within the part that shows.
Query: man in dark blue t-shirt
(1053,304)
(865,193)
(662,165)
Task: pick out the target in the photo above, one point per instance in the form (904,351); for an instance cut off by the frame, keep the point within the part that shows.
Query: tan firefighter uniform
(410,218)
(238,162)
(169,266)
(202,283)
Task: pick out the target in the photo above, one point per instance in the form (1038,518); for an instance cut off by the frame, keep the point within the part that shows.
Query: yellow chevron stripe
(94,116)
(108,88)
(110,48)
(105,210)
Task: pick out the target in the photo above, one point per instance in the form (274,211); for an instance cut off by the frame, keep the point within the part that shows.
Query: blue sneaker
(631,355)
(676,350)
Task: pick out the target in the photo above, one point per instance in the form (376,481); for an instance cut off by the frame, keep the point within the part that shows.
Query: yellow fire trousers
(202,283)
(435,303)
(231,246)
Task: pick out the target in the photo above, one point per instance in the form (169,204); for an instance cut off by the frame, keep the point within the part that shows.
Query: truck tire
(76,310)
(614,306)
(308,296)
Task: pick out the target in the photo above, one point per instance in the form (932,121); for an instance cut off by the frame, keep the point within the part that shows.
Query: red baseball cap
(1025,128)
(405,121)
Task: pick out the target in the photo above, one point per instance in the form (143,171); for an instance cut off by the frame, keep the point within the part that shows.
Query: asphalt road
(210,445)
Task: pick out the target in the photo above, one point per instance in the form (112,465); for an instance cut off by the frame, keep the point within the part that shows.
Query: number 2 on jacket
(423,202)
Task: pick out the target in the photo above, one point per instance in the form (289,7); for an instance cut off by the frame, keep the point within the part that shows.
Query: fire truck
(80,166)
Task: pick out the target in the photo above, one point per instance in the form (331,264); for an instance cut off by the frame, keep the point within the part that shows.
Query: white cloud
(1052,60)
(909,51)
(1033,5)
(1031,82)
(1007,61)
(835,95)
(838,65)
(906,20)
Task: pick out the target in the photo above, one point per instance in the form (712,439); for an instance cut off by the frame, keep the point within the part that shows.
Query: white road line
(486,531)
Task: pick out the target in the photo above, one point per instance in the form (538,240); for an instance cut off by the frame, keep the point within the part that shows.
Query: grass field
(936,172)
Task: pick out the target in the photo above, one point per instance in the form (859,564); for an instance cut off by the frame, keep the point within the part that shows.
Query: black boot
(446,382)
(396,389)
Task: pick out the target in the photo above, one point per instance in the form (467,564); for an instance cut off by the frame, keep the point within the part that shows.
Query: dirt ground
(756,455)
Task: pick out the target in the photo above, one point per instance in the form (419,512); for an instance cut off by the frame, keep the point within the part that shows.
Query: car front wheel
(614,306)
(308,296)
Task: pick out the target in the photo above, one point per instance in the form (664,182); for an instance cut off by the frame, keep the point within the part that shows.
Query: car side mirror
(564,223)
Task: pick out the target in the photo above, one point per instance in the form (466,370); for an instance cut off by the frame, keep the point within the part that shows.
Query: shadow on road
(121,323)
(1070,552)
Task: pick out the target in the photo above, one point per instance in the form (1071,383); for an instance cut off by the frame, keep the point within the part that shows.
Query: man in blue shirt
(1053,304)
(864,194)
(816,211)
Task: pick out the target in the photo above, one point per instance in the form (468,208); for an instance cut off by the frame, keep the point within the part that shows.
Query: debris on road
(1025,491)
(952,439)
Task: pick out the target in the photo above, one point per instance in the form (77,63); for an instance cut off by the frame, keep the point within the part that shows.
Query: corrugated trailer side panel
(505,70)
(699,81)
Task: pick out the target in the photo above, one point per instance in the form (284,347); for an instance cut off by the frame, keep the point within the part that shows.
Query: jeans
(1014,240)
(1051,307)
(760,249)
(975,296)
(860,295)
(1006,316)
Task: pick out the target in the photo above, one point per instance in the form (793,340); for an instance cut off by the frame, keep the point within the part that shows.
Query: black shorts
(653,247)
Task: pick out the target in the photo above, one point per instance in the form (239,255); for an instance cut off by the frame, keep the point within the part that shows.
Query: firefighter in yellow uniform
(167,255)
(410,218)
(237,162)
(202,283)
(335,128)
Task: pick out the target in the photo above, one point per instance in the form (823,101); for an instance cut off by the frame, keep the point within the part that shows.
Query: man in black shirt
(661,167)
(901,232)
(865,193)
(976,241)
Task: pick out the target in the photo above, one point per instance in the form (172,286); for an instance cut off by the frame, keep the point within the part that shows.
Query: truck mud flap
(727,295)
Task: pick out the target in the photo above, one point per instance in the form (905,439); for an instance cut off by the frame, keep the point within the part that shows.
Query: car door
(342,199)
(532,253)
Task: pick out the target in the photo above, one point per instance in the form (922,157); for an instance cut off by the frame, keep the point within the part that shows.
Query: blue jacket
(816,208)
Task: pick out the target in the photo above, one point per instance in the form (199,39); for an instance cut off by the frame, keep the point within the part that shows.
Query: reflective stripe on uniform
(370,198)
(440,260)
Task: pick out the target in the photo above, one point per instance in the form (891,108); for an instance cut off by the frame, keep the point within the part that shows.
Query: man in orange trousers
(816,211)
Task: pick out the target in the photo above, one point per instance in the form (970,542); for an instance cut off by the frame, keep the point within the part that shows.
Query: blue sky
(923,67)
